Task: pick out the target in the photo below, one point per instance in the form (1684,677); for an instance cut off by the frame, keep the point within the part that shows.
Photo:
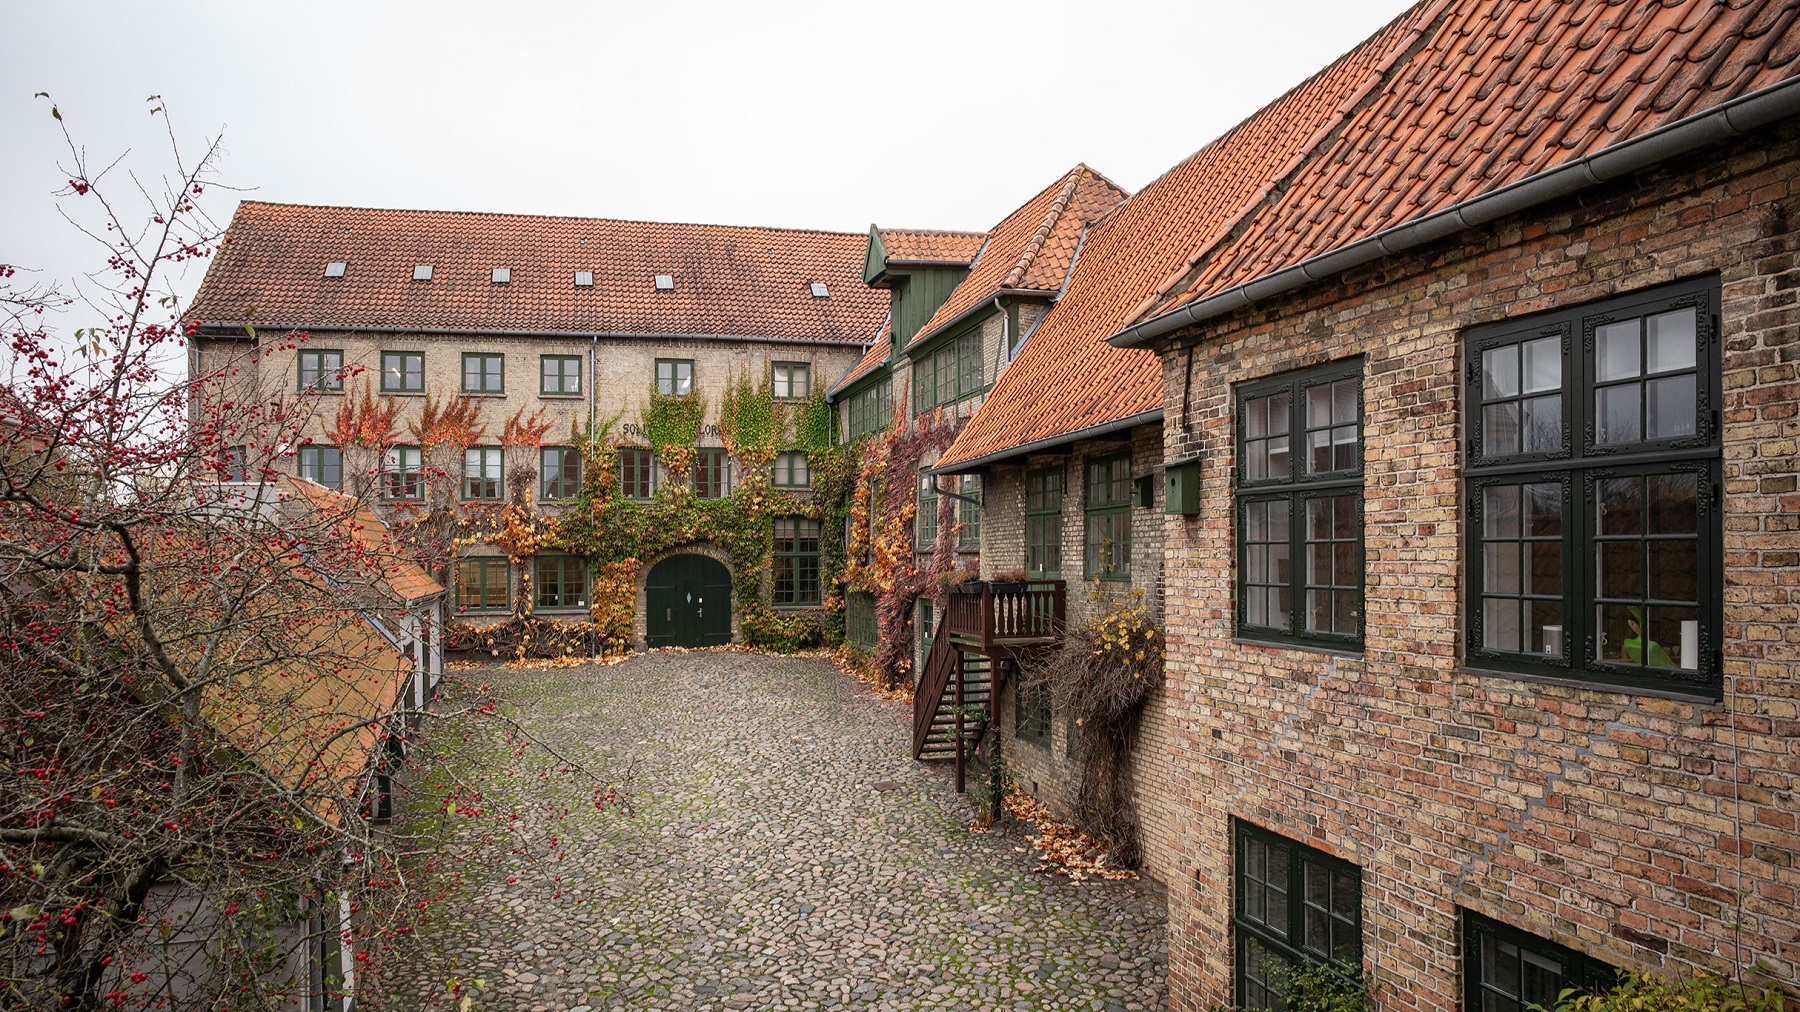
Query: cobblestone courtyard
(785,853)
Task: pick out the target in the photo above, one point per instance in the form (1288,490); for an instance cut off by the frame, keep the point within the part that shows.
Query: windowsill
(401,393)
(1589,686)
(1311,648)
(797,607)
(482,393)
(321,391)
(561,609)
(477,499)
(560,397)
(1033,742)
(484,612)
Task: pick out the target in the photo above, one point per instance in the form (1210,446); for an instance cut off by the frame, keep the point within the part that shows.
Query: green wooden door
(688,599)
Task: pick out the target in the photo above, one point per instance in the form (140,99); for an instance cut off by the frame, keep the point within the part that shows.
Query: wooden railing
(940,665)
(1032,611)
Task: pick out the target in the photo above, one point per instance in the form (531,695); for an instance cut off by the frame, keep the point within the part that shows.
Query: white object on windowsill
(1690,644)
(1553,640)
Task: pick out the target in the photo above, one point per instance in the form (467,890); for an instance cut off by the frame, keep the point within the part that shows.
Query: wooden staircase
(936,718)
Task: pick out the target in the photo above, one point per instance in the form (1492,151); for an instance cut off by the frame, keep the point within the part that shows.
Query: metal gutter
(1722,122)
(926,336)
(236,329)
(1091,432)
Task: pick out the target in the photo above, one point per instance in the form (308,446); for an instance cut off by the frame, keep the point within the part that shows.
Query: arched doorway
(687,603)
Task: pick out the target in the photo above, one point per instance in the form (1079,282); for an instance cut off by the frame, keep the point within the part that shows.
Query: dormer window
(422,272)
(665,282)
(335,269)
(502,275)
(584,279)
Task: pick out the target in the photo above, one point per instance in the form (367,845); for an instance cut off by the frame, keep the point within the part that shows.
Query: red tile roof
(729,281)
(873,359)
(1033,247)
(930,245)
(1448,101)
(342,515)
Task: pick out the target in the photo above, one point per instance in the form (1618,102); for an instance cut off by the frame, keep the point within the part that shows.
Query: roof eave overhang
(1049,442)
(844,386)
(987,302)
(236,330)
(1730,119)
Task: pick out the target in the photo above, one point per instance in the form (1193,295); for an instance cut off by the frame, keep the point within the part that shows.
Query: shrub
(1644,992)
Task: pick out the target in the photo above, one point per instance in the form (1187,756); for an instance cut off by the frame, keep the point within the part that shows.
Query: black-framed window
(796,567)
(321,369)
(403,473)
(861,626)
(483,372)
(1300,506)
(792,470)
(559,375)
(482,472)
(1593,489)
(402,372)
(482,584)
(1292,905)
(1031,712)
(1108,532)
(675,376)
(561,474)
(793,380)
(323,464)
(559,581)
(712,474)
(1043,522)
(637,473)
(969,513)
(1508,970)
(925,525)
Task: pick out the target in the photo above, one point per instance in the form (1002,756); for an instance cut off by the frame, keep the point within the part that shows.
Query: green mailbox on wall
(1183,492)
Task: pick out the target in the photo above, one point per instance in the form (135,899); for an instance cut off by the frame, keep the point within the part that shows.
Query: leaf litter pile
(1062,849)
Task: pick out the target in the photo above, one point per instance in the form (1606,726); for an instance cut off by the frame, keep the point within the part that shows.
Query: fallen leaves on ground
(1062,849)
(844,659)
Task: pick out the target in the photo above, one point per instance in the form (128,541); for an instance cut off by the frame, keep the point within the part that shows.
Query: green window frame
(1594,491)
(560,472)
(712,473)
(483,372)
(321,369)
(1043,522)
(675,376)
(1031,712)
(482,472)
(402,473)
(1293,905)
(925,524)
(951,372)
(796,562)
(871,409)
(1508,970)
(402,372)
(969,513)
(559,375)
(637,473)
(792,381)
(1299,504)
(483,583)
(323,464)
(792,470)
(861,626)
(927,629)
(1108,527)
(559,581)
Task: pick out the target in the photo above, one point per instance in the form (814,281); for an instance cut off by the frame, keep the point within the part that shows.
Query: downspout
(593,379)
(1005,339)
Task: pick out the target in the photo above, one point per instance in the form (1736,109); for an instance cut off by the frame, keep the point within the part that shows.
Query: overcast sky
(832,115)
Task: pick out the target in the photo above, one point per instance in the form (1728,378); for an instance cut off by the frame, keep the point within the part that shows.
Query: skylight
(820,291)
(422,272)
(584,279)
(502,275)
(665,282)
(335,269)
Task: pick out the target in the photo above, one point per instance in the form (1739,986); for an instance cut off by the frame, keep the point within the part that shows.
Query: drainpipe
(1005,338)
(593,378)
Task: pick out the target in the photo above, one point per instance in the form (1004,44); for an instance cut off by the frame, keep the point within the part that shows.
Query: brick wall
(1638,829)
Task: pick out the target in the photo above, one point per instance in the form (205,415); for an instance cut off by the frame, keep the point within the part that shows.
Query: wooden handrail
(939,665)
(1038,611)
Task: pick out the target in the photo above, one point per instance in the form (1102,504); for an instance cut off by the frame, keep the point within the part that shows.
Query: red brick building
(1485,618)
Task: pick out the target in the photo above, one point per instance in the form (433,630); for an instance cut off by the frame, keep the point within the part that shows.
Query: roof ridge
(1035,244)
(552,217)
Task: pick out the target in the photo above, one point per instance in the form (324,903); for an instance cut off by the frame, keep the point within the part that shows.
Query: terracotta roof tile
(1449,101)
(872,359)
(729,280)
(400,575)
(930,245)
(1033,247)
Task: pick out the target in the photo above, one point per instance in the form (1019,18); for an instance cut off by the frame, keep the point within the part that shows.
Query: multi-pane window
(559,375)
(860,623)
(483,373)
(949,373)
(481,584)
(1109,517)
(559,581)
(561,474)
(637,473)
(1294,905)
(1593,492)
(402,473)
(1299,502)
(233,465)
(791,470)
(712,474)
(969,513)
(321,369)
(1043,523)
(925,525)
(793,381)
(1508,970)
(674,376)
(323,464)
(402,372)
(481,472)
(796,561)
(1031,712)
(871,408)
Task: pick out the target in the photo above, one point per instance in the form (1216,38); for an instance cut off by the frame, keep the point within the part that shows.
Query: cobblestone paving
(764,868)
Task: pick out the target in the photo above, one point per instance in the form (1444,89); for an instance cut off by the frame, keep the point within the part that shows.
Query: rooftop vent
(584,279)
(665,282)
(422,272)
(820,291)
(502,275)
(334,269)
